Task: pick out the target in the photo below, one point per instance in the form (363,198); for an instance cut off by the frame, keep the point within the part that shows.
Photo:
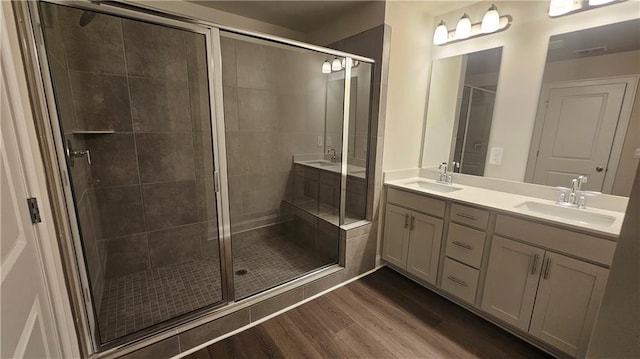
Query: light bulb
(326,67)
(561,7)
(336,64)
(463,29)
(491,20)
(441,35)
(599,2)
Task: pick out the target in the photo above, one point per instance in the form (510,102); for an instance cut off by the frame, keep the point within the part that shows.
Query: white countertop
(507,202)
(335,167)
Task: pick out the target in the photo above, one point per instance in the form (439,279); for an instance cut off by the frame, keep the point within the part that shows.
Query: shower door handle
(73,154)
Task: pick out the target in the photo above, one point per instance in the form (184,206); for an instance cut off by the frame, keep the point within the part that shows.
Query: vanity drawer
(460,280)
(471,216)
(420,203)
(465,244)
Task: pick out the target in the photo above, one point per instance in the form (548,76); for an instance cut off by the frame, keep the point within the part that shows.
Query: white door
(568,298)
(578,129)
(396,224)
(512,279)
(425,238)
(26,326)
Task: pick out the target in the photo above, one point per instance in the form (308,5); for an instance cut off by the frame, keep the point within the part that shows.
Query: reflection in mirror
(586,123)
(476,110)
(461,100)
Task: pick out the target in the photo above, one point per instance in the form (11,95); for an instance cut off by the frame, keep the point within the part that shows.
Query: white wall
(523,60)
(409,65)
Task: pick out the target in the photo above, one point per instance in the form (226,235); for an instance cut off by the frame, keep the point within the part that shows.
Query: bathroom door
(133,121)
(26,321)
(578,128)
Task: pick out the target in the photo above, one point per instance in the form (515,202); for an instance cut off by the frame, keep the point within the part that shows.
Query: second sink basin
(432,186)
(322,163)
(574,214)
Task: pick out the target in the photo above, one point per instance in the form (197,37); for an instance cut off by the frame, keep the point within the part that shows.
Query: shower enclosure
(200,165)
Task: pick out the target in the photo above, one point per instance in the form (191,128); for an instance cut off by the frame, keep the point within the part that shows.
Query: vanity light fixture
(330,66)
(441,34)
(491,22)
(566,7)
(336,65)
(326,67)
(463,29)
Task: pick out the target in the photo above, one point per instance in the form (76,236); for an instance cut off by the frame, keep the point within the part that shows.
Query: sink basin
(431,186)
(322,163)
(574,214)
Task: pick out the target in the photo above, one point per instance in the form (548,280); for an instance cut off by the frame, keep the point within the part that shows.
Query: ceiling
(608,39)
(302,16)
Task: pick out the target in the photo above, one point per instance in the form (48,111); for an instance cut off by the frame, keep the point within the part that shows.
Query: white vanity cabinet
(550,295)
(567,302)
(512,281)
(412,239)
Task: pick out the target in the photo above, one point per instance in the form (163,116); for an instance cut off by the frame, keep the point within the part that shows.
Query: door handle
(72,154)
(599,169)
(406,220)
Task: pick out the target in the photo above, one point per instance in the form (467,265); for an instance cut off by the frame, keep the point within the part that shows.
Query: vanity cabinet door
(568,297)
(425,238)
(512,278)
(396,235)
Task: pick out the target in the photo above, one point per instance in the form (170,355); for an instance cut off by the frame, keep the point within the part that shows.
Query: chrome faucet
(333,156)
(444,176)
(576,196)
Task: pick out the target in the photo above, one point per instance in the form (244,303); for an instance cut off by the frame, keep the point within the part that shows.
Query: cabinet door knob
(599,169)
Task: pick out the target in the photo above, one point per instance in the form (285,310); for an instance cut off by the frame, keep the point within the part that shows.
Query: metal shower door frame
(49,109)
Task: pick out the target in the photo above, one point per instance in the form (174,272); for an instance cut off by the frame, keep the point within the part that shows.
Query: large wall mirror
(587,121)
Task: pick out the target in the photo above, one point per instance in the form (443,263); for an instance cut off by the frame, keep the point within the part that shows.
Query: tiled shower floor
(133,302)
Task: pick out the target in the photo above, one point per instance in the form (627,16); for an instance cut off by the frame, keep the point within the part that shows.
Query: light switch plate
(496,156)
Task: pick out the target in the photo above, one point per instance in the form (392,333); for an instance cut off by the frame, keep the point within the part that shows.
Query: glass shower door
(283,164)
(133,104)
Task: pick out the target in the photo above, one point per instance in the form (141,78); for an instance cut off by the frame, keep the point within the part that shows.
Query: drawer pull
(463,245)
(534,267)
(467,216)
(406,220)
(413,219)
(458,281)
(546,269)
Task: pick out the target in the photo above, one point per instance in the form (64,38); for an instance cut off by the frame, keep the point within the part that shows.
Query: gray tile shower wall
(147,199)
(271,97)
